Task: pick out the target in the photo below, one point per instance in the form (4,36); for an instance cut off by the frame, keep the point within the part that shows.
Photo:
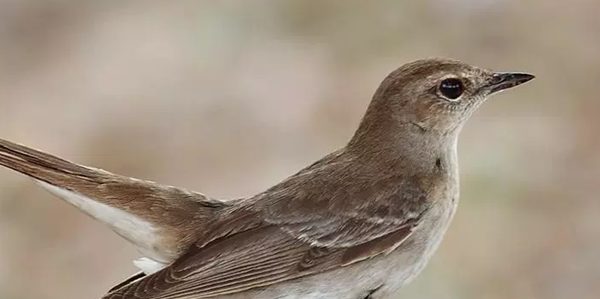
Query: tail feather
(35,157)
(160,220)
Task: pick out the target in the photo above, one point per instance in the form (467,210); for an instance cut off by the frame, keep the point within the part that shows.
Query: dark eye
(452,88)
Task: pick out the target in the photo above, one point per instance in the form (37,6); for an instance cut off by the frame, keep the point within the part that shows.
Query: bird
(362,222)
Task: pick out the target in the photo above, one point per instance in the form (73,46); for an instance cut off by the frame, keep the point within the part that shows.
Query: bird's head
(432,97)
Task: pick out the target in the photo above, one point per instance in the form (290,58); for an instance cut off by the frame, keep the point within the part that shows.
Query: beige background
(229,97)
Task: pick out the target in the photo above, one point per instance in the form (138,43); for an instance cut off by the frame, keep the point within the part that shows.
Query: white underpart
(137,231)
(148,266)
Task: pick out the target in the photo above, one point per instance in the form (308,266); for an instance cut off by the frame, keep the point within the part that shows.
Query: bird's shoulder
(346,185)
(341,190)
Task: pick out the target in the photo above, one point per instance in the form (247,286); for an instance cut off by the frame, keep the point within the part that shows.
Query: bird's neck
(409,146)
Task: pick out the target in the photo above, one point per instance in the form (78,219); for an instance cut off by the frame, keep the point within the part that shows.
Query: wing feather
(294,229)
(252,259)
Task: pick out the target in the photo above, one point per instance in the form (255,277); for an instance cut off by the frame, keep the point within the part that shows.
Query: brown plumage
(362,221)
(173,211)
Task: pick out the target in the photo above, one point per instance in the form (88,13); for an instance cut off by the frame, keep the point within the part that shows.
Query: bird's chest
(407,261)
(403,264)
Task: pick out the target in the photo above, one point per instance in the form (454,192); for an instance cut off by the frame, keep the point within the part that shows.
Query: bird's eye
(451,88)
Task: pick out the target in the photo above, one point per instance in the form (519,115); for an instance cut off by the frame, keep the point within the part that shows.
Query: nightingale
(359,223)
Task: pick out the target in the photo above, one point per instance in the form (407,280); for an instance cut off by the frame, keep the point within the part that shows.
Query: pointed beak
(501,81)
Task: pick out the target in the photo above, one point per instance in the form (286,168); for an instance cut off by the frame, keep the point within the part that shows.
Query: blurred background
(230,97)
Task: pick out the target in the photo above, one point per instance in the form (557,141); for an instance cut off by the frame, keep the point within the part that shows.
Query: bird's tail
(158,219)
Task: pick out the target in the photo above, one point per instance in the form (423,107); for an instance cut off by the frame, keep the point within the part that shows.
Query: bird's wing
(268,254)
(322,218)
(148,214)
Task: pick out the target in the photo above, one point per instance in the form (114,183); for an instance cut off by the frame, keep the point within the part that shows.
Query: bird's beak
(501,81)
